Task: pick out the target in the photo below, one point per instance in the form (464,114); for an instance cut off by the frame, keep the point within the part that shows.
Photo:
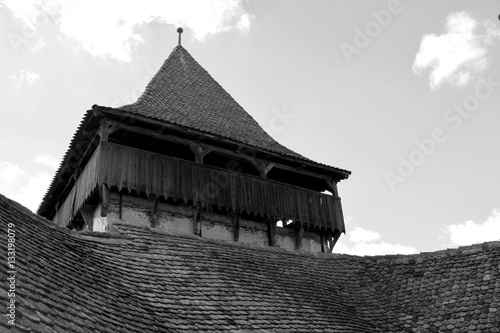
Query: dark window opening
(228,163)
(151,144)
(297,179)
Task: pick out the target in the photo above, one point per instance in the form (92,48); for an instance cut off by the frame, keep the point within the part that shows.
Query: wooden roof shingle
(141,280)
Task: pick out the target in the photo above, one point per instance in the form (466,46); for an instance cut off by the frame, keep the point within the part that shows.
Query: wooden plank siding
(142,171)
(85,185)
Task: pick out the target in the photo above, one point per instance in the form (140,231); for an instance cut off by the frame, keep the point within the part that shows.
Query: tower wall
(179,220)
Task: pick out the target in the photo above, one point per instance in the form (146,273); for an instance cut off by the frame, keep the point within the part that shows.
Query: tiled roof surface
(140,280)
(456,290)
(183,93)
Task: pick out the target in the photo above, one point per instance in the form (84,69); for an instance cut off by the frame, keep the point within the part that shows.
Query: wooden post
(322,241)
(87,212)
(299,233)
(154,211)
(104,198)
(121,204)
(236,225)
(271,232)
(196,220)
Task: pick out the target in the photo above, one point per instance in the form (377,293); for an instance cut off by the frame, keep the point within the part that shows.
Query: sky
(404,94)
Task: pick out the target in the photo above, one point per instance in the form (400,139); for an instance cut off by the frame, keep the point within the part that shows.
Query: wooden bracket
(333,240)
(104,199)
(154,212)
(199,152)
(271,232)
(106,128)
(236,225)
(197,219)
(262,167)
(332,186)
(299,234)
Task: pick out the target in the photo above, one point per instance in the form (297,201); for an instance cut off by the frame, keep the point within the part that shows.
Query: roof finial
(179,30)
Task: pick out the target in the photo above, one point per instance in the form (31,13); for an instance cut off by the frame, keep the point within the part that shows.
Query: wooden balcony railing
(142,171)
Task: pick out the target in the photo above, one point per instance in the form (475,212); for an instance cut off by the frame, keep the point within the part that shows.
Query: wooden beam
(120,212)
(199,152)
(104,199)
(236,225)
(154,211)
(299,234)
(197,220)
(271,233)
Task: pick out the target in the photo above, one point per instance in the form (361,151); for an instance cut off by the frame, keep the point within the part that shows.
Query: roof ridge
(26,211)
(460,250)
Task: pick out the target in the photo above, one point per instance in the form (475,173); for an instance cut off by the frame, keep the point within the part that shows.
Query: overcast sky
(404,94)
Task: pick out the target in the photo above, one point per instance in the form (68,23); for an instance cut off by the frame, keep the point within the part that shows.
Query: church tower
(187,158)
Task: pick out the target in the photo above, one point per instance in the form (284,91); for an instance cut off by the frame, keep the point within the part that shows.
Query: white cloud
(23,77)
(360,235)
(31,194)
(107,28)
(469,232)
(362,242)
(48,160)
(371,249)
(9,174)
(459,54)
(26,188)
(23,10)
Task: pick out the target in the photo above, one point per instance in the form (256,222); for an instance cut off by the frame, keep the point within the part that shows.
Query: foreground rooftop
(135,279)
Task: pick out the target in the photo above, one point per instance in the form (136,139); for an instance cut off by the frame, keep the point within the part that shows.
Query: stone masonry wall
(179,220)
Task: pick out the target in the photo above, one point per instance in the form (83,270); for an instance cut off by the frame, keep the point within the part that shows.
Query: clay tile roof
(183,93)
(140,280)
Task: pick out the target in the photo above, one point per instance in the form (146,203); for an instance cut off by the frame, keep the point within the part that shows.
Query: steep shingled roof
(141,280)
(184,93)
